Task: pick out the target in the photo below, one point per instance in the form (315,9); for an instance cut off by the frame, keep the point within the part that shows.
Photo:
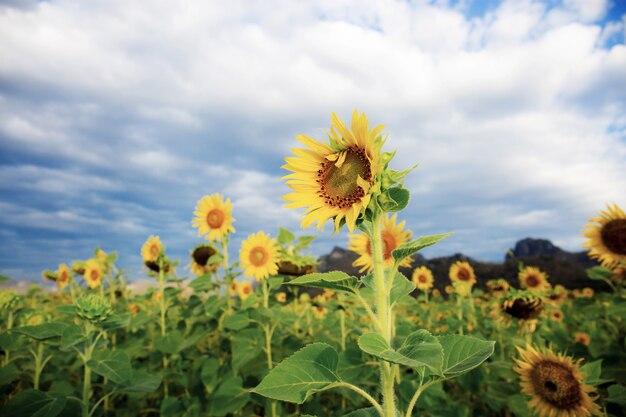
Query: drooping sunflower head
(93,273)
(214,217)
(259,256)
(244,289)
(392,235)
(522,305)
(498,287)
(423,278)
(607,237)
(152,249)
(555,384)
(557,295)
(48,275)
(63,276)
(462,271)
(533,279)
(200,256)
(336,180)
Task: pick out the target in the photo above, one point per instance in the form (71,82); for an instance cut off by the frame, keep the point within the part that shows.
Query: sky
(116,117)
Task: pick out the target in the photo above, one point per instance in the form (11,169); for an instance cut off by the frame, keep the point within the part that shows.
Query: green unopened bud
(93,308)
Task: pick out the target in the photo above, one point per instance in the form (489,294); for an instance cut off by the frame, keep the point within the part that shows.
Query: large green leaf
(231,396)
(335,280)
(33,403)
(113,365)
(71,336)
(363,412)
(309,370)
(247,345)
(409,248)
(419,349)
(116,321)
(592,371)
(617,394)
(170,343)
(202,283)
(142,381)
(463,353)
(42,331)
(394,199)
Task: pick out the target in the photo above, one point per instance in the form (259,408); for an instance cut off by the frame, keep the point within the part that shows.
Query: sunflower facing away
(555,384)
(335,179)
(63,276)
(199,259)
(152,249)
(393,235)
(462,271)
(607,238)
(259,256)
(423,278)
(214,217)
(93,273)
(533,279)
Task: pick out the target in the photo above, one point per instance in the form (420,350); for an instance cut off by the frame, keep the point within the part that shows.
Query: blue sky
(117,117)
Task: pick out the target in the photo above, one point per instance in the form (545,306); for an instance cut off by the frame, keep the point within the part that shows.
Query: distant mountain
(562,267)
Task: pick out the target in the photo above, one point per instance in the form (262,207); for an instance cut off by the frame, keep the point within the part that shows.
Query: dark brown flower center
(202,254)
(422,279)
(338,184)
(94,275)
(613,236)
(464,275)
(215,218)
(247,289)
(258,256)
(556,384)
(525,309)
(532,281)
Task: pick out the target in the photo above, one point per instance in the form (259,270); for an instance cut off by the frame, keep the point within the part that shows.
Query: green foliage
(336,280)
(409,248)
(463,353)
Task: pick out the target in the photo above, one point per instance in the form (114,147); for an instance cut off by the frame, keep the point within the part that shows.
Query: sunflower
(63,276)
(319,312)
(336,179)
(49,275)
(582,337)
(558,295)
(101,255)
(259,256)
(533,279)
(462,289)
(498,287)
(214,217)
(423,278)
(556,316)
(393,235)
(555,384)
(232,288)
(462,271)
(281,297)
(587,292)
(93,273)
(152,249)
(607,238)
(244,289)
(199,259)
(522,306)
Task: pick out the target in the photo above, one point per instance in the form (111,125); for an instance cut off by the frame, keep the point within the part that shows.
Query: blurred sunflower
(200,257)
(582,337)
(522,305)
(558,295)
(214,217)
(423,278)
(319,312)
(232,288)
(63,276)
(498,287)
(93,273)
(462,271)
(533,279)
(281,297)
(244,289)
(555,384)
(607,238)
(587,292)
(392,234)
(556,316)
(152,249)
(49,275)
(259,256)
(336,179)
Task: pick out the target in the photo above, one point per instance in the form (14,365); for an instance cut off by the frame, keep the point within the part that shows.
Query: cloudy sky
(116,117)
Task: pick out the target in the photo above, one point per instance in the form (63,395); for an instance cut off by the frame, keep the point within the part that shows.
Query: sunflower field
(265,334)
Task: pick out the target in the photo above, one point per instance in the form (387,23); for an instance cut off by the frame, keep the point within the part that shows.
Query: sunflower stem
(162,321)
(383,309)
(227,277)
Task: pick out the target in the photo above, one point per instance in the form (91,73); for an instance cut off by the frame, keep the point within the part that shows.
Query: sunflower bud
(93,308)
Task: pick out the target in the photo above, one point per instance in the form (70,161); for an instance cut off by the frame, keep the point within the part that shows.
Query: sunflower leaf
(409,248)
(461,354)
(335,280)
(394,199)
(309,370)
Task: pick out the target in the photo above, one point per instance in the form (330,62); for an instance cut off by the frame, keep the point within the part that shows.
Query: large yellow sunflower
(393,235)
(423,278)
(93,273)
(462,271)
(555,384)
(533,279)
(259,256)
(152,249)
(607,238)
(63,276)
(336,179)
(214,217)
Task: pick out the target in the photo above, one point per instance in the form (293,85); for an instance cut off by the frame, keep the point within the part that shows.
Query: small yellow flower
(423,278)
(533,279)
(462,271)
(281,297)
(244,289)
(587,292)
(448,289)
(232,288)
(463,289)
(93,273)
(152,249)
(556,316)
(319,312)
(214,217)
(305,298)
(101,255)
(134,309)
(582,337)
(259,256)
(63,276)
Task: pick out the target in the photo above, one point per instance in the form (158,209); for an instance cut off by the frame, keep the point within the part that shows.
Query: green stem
(38,365)
(162,322)
(383,310)
(422,388)
(359,391)
(268,351)
(342,324)
(7,354)
(266,294)
(111,287)
(227,278)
